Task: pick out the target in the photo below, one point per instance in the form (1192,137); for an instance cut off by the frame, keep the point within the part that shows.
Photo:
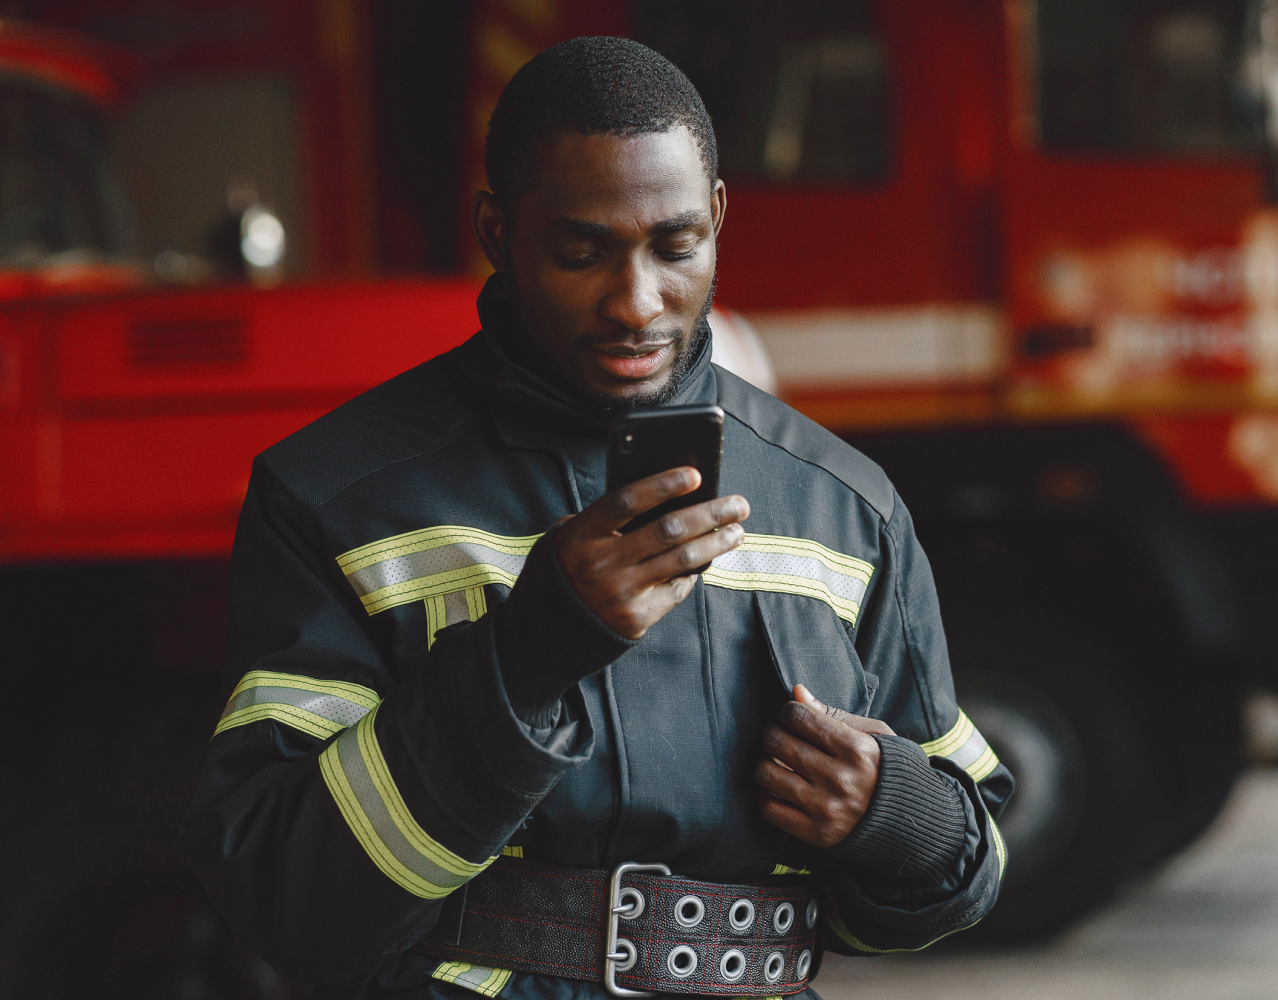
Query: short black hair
(591,86)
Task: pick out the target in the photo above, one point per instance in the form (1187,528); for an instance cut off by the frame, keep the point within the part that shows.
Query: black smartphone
(645,442)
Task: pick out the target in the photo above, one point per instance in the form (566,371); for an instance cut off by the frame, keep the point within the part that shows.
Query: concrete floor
(1205,926)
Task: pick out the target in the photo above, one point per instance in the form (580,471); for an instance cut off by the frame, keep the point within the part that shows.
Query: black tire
(1198,720)
(1040,696)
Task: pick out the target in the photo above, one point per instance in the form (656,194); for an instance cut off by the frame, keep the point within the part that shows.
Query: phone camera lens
(627,444)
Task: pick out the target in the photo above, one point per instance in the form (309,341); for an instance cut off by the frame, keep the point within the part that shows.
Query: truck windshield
(798,91)
(1163,77)
(57,201)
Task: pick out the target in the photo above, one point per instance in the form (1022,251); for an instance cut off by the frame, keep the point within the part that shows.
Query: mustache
(646,339)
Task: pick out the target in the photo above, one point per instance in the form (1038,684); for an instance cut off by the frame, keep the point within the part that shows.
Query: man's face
(611,260)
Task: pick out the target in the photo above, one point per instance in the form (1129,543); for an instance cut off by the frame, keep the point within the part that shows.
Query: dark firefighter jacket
(369,760)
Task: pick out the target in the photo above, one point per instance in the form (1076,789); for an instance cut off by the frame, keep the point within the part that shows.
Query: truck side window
(56,194)
(1165,77)
(798,91)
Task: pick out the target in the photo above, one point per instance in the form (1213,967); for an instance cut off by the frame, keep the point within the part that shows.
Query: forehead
(650,176)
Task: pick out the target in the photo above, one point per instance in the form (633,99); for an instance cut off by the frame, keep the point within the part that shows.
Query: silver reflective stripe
(431,563)
(485,981)
(310,705)
(850,588)
(965,746)
(970,752)
(375,813)
(445,559)
(785,565)
(474,977)
(455,608)
(339,711)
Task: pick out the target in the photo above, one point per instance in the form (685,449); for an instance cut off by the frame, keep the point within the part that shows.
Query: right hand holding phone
(632,581)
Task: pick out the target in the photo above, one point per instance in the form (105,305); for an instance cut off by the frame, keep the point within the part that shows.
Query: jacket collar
(529,410)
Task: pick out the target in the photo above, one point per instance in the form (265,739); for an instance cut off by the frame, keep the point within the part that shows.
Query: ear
(718,205)
(491,229)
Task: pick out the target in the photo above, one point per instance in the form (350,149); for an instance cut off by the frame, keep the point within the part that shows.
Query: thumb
(861,722)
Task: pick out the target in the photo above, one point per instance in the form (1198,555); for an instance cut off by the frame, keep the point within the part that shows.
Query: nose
(633,299)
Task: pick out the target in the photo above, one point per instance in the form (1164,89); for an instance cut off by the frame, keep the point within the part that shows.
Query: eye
(677,253)
(577,263)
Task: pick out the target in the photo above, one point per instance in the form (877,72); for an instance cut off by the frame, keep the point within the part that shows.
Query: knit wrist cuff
(914,830)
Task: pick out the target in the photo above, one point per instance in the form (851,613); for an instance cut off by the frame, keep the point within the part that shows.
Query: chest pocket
(810,646)
(805,594)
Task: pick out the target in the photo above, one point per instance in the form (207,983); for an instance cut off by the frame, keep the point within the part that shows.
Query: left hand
(819,769)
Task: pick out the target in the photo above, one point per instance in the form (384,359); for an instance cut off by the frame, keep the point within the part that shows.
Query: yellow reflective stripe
(316,707)
(360,782)
(785,565)
(430,538)
(512,852)
(966,747)
(432,562)
(980,768)
(806,548)
(409,591)
(835,923)
(443,610)
(485,981)
(303,721)
(787,870)
(951,741)
(999,846)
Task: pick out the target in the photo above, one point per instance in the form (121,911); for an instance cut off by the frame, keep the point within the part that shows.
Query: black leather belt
(638,930)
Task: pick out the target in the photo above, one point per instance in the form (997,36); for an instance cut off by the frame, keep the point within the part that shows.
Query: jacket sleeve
(927,858)
(346,793)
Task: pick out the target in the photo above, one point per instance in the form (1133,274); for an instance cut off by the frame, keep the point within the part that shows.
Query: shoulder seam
(884,515)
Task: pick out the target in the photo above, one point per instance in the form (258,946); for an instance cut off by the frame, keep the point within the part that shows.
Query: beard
(687,348)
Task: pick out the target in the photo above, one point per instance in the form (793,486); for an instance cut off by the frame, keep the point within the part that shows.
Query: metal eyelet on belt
(632,955)
(773,966)
(741,916)
(632,909)
(783,918)
(810,918)
(689,911)
(733,965)
(682,961)
(801,967)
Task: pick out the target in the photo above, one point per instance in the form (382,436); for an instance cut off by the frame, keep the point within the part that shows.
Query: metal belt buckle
(612,956)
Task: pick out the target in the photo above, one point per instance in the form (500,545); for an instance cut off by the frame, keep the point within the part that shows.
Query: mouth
(632,362)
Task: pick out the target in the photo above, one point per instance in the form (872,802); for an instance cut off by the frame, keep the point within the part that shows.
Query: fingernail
(802,693)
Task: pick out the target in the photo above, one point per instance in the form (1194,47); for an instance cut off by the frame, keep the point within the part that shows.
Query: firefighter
(463,707)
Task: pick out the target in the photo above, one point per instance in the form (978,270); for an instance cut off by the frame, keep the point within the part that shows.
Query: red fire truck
(1021,253)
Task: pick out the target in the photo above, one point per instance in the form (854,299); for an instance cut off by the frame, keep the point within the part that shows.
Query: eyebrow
(598,230)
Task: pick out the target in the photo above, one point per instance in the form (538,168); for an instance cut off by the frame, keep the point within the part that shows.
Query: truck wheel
(1039,696)
(1186,791)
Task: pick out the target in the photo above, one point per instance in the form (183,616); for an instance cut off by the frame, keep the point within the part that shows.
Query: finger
(786,817)
(861,722)
(689,556)
(797,755)
(785,784)
(613,511)
(684,525)
(835,738)
(646,610)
